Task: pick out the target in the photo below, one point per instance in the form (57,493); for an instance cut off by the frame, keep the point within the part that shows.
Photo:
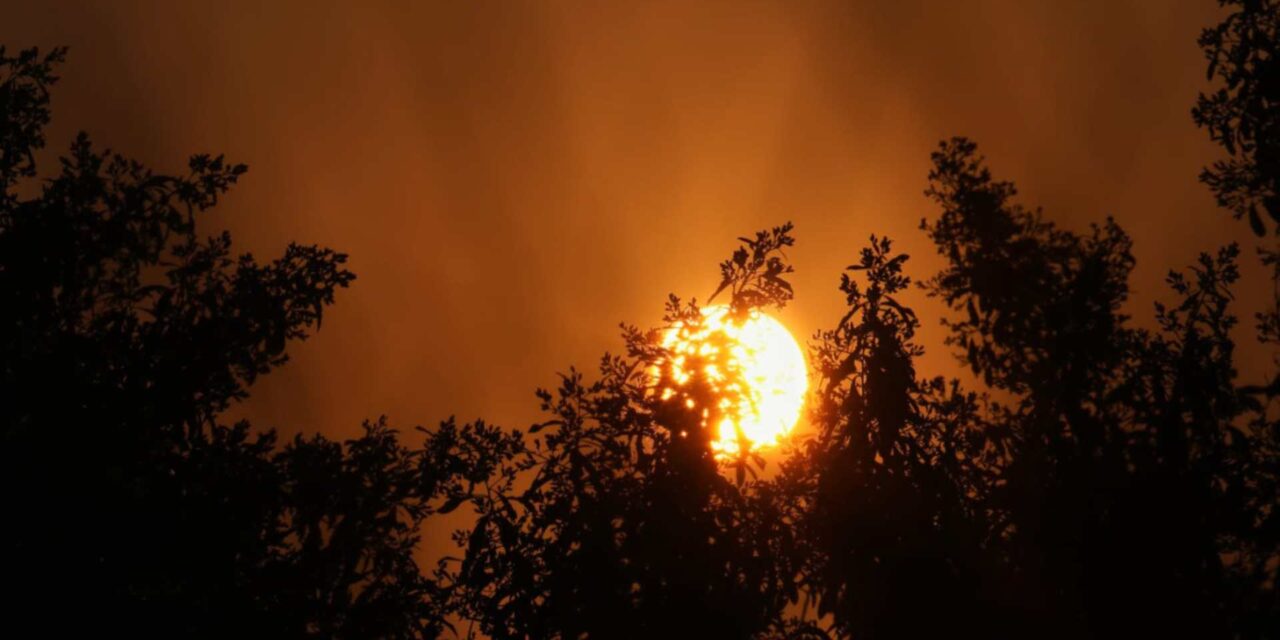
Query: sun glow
(754,370)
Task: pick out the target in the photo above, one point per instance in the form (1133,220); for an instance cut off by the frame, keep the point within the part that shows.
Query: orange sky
(513,179)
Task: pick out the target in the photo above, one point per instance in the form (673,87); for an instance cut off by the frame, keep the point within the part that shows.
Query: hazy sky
(514,179)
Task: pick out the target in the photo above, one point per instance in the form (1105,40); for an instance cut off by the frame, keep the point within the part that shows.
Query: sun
(753,367)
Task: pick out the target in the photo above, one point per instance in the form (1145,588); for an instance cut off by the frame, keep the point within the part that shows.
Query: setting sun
(759,378)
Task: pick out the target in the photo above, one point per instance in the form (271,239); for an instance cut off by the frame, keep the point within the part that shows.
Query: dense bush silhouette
(1107,476)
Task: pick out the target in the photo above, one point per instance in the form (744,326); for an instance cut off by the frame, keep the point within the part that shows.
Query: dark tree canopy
(1120,449)
(1242,114)
(625,528)
(124,335)
(1108,476)
(888,493)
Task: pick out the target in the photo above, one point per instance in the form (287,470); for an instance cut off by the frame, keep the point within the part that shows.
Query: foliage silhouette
(626,528)
(125,334)
(1107,477)
(1242,116)
(1244,119)
(1122,458)
(885,490)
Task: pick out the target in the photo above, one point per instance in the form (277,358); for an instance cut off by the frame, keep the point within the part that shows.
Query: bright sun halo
(768,387)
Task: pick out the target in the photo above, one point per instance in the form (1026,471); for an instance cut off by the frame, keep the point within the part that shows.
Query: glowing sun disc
(770,366)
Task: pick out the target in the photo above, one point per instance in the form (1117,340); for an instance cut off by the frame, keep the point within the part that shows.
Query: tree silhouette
(1121,465)
(1242,116)
(624,527)
(1107,476)
(887,490)
(125,334)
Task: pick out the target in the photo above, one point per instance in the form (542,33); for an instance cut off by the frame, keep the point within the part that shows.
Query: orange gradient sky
(512,179)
